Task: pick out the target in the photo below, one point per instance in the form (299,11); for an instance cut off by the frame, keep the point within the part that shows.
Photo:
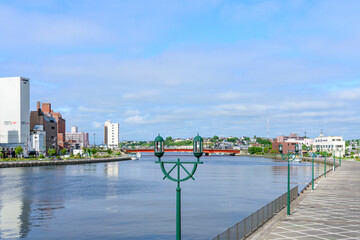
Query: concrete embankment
(37,163)
(331,211)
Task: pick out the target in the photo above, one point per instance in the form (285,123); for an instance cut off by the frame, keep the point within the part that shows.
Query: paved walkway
(331,211)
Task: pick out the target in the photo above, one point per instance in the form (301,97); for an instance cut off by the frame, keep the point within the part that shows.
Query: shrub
(255,150)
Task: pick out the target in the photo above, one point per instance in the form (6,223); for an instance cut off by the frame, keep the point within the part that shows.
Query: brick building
(288,147)
(40,117)
(292,136)
(61,124)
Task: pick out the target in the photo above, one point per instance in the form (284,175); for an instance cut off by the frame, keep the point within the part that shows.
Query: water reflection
(25,200)
(129,200)
(111,169)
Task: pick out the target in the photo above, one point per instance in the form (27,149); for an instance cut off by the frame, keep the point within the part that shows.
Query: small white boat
(134,156)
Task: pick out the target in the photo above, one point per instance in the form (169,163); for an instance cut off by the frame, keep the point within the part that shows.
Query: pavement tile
(331,211)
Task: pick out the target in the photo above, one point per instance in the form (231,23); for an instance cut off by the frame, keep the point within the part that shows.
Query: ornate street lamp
(159,152)
(159,146)
(289,157)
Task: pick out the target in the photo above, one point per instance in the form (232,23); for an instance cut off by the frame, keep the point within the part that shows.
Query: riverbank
(331,211)
(36,163)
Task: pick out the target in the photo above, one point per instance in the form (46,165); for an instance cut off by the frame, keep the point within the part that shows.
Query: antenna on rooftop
(268,121)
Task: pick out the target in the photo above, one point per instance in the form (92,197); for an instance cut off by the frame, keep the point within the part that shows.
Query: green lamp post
(159,152)
(289,157)
(339,156)
(334,161)
(312,165)
(325,155)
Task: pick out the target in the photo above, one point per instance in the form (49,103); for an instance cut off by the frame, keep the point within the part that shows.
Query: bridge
(229,151)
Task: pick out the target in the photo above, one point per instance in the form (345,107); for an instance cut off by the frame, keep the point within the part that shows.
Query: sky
(179,68)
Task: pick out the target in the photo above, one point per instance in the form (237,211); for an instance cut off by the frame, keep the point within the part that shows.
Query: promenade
(331,211)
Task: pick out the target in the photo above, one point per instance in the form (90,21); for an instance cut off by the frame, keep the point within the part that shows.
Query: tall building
(111,134)
(14,113)
(76,139)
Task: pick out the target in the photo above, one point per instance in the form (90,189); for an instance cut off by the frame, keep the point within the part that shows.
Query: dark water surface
(129,200)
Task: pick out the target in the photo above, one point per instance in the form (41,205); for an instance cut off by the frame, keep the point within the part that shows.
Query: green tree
(63,151)
(109,151)
(169,141)
(85,150)
(214,139)
(18,151)
(232,139)
(263,141)
(93,151)
(274,151)
(266,149)
(246,139)
(255,150)
(51,152)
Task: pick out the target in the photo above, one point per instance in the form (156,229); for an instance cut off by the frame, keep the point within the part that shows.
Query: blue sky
(183,67)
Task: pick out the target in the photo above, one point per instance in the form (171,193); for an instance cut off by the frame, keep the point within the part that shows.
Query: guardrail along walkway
(331,211)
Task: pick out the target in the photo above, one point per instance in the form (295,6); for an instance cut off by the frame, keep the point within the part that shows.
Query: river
(129,199)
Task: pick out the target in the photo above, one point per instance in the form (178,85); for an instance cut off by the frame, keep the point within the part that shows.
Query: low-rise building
(38,140)
(308,142)
(330,144)
(76,139)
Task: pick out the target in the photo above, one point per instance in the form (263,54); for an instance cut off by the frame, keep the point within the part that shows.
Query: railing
(243,228)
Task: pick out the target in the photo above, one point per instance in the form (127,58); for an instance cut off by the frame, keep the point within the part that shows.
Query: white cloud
(350,94)
(135,120)
(98,125)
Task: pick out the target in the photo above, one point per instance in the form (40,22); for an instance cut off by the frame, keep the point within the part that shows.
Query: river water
(129,199)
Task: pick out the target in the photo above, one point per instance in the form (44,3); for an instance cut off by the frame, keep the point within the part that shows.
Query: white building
(111,134)
(38,140)
(308,142)
(15,112)
(76,139)
(330,144)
